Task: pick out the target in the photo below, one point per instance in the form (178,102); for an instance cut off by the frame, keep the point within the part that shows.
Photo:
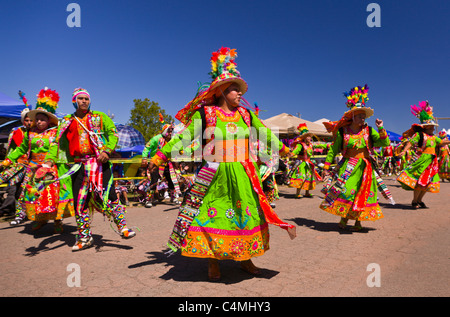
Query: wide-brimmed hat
(47,103)
(223,71)
(356,101)
(424,112)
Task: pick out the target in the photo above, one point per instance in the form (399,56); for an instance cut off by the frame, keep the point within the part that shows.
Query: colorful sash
(334,191)
(431,170)
(359,204)
(190,206)
(383,188)
(269,214)
(13,174)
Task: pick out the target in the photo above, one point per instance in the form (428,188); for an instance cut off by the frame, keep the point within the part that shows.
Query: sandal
(213,270)
(298,196)
(415,205)
(308,195)
(250,268)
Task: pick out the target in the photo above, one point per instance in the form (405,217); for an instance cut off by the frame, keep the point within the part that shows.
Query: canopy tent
(393,136)
(287,124)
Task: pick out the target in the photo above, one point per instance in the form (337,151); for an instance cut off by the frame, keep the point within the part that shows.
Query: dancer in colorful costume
(422,176)
(388,166)
(88,138)
(406,158)
(55,201)
(444,158)
(304,174)
(354,193)
(225,214)
(15,173)
(167,170)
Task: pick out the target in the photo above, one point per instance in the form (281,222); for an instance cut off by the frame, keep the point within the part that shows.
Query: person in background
(353,196)
(88,137)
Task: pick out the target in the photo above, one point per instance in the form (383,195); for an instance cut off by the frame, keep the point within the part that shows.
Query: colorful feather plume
(223,61)
(424,111)
(302,128)
(357,95)
(22,96)
(161,118)
(256,109)
(48,100)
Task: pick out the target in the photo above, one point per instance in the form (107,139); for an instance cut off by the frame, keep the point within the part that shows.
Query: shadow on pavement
(328,226)
(185,269)
(51,241)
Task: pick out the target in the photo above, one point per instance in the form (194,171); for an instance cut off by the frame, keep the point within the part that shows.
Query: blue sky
(297,56)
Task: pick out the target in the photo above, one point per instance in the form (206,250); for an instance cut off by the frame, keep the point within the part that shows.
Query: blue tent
(393,136)
(10,110)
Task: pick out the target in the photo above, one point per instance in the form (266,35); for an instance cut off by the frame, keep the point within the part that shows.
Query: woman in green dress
(304,174)
(54,202)
(422,175)
(225,214)
(354,194)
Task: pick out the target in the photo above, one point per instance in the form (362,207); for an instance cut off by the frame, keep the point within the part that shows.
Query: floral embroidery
(212,212)
(229,213)
(231,127)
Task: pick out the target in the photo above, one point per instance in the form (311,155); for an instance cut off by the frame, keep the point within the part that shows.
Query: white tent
(287,124)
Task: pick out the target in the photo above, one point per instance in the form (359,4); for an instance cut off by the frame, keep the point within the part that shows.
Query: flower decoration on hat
(424,112)
(357,96)
(302,128)
(47,100)
(223,70)
(223,62)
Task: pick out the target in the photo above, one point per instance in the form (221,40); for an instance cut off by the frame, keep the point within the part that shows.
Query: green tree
(144,117)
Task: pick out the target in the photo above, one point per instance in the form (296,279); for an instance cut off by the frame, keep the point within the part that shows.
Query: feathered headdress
(222,62)
(223,70)
(357,96)
(47,103)
(47,100)
(356,100)
(424,112)
(303,130)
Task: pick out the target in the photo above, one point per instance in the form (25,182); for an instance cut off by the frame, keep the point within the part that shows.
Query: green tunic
(230,223)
